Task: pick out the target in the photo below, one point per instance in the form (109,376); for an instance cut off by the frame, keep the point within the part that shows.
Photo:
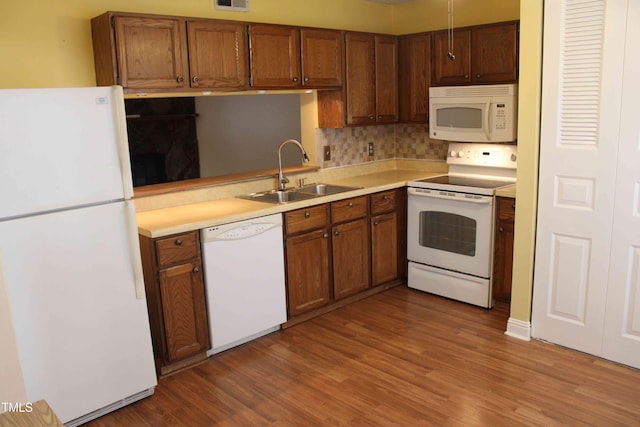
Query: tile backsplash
(349,146)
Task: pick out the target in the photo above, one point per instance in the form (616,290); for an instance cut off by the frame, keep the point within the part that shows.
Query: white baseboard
(518,329)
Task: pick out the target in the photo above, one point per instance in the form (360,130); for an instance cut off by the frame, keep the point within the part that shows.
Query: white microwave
(483,113)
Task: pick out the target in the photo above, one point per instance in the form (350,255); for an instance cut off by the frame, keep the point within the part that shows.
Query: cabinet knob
(179,242)
(336,233)
(385,197)
(500,229)
(466,76)
(195,79)
(307,214)
(180,79)
(379,116)
(325,235)
(375,223)
(372,117)
(350,204)
(477,76)
(306,79)
(196,269)
(513,206)
(295,80)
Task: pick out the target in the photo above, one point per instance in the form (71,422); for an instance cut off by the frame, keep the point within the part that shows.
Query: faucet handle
(301,182)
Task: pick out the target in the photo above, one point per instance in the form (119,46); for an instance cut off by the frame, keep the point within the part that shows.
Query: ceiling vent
(232,5)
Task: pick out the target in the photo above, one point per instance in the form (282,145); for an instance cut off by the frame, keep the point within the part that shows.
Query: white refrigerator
(69,254)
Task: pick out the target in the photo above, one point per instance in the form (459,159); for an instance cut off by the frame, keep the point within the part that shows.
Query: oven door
(450,230)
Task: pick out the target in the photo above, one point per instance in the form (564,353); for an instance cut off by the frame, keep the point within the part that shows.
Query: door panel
(578,155)
(622,325)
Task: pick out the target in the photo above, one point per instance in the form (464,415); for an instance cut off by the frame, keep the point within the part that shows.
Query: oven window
(459,117)
(448,232)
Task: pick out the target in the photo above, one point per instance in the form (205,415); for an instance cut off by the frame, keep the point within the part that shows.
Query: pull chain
(450,54)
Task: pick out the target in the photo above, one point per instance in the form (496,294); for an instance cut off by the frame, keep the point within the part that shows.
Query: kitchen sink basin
(324,189)
(309,191)
(278,196)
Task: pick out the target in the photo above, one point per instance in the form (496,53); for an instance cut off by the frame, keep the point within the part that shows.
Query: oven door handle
(483,200)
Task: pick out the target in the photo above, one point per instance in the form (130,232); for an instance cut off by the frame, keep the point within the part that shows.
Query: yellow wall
(528,148)
(48,43)
(428,15)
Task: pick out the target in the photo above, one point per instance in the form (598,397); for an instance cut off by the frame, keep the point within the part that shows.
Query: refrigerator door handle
(120,119)
(134,248)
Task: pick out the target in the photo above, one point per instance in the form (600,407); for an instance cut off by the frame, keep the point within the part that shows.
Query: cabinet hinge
(250,81)
(113,22)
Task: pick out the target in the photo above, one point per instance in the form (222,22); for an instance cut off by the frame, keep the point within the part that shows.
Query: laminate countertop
(179,219)
(508,191)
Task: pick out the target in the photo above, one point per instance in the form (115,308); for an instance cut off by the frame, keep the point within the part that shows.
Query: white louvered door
(583,62)
(622,320)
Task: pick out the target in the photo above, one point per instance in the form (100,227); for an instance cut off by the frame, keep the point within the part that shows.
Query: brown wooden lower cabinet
(176,300)
(337,251)
(503,249)
(350,243)
(308,265)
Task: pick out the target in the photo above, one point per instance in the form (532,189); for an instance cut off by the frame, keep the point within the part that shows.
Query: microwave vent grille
(486,90)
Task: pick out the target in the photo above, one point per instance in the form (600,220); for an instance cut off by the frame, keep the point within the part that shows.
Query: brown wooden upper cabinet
(284,57)
(274,56)
(484,54)
(322,57)
(164,53)
(217,54)
(370,93)
(414,63)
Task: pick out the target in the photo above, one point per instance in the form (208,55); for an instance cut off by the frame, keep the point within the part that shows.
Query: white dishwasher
(244,280)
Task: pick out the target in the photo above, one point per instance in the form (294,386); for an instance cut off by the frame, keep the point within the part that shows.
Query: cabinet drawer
(177,248)
(383,202)
(348,209)
(306,219)
(506,209)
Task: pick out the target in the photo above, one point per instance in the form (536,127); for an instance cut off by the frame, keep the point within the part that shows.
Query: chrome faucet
(282,180)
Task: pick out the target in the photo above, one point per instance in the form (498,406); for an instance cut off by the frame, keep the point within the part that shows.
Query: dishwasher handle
(236,231)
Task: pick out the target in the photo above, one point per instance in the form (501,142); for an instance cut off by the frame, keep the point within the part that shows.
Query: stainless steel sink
(309,191)
(324,189)
(278,196)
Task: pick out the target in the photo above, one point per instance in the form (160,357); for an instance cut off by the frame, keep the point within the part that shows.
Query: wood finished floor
(400,358)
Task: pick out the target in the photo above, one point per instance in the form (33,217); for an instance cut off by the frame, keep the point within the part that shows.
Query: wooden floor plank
(398,358)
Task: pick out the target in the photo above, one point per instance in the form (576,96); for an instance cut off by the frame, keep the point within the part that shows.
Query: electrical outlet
(370,149)
(327,153)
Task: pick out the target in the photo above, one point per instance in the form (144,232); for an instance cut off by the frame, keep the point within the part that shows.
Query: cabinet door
(384,248)
(503,249)
(308,271)
(360,79)
(184,311)
(217,54)
(350,246)
(414,68)
(274,56)
(451,72)
(321,57)
(150,52)
(494,53)
(386,81)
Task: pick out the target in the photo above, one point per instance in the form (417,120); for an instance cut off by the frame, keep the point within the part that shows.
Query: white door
(582,66)
(622,322)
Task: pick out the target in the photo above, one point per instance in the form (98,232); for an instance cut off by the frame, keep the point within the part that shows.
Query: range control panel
(489,155)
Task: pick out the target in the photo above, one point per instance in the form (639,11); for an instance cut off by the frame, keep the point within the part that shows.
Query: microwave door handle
(486,200)
(488,132)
